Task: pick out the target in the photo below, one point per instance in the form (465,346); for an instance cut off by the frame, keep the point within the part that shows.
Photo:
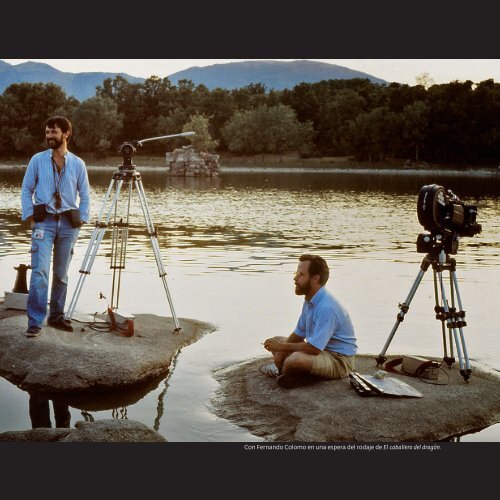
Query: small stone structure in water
(188,162)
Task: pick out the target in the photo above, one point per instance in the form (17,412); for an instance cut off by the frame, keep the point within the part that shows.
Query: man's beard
(303,290)
(54,143)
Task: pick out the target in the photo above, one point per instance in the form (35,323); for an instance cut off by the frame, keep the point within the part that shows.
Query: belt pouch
(39,213)
(74,218)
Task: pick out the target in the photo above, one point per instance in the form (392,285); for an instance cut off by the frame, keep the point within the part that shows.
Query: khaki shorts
(331,365)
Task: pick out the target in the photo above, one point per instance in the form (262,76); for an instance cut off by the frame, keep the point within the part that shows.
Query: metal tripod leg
(156,248)
(119,250)
(449,360)
(404,307)
(95,241)
(450,323)
(460,322)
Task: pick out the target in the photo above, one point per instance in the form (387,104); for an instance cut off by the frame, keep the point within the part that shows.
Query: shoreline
(257,163)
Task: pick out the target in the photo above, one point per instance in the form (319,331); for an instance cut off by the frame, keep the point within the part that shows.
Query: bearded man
(323,344)
(53,181)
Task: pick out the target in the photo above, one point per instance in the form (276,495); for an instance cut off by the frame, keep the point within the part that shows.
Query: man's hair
(317,265)
(61,122)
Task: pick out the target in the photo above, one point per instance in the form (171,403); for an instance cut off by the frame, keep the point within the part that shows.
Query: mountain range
(276,75)
(79,85)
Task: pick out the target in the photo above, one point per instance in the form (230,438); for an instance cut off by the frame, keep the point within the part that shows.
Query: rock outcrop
(107,431)
(86,360)
(333,411)
(188,162)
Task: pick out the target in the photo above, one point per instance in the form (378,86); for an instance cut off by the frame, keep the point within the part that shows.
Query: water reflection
(39,410)
(55,410)
(349,214)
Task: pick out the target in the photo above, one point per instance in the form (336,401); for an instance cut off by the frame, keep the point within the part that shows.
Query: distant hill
(80,85)
(276,75)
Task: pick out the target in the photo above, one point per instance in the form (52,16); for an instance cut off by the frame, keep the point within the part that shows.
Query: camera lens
(431,205)
(127,150)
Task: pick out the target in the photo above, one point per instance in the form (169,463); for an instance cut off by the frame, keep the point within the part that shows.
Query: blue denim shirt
(42,180)
(326,325)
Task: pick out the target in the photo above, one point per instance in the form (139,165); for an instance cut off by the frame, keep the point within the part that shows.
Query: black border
(137,469)
(384,29)
(259,30)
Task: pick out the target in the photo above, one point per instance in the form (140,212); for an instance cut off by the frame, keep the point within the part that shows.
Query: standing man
(53,180)
(323,343)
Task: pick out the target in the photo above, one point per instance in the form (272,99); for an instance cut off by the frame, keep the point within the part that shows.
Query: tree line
(456,122)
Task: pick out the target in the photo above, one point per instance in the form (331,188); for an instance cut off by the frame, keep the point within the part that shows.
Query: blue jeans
(53,235)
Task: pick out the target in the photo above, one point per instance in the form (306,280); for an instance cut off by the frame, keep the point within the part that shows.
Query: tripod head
(129,148)
(432,243)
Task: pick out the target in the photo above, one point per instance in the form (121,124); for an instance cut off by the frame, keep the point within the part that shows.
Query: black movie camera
(127,149)
(446,218)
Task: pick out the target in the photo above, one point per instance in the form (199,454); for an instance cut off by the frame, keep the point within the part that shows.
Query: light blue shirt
(326,325)
(42,180)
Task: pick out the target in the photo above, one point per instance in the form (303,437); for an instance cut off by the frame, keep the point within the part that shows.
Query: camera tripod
(129,178)
(452,319)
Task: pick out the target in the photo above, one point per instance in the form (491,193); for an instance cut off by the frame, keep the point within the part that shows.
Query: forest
(456,122)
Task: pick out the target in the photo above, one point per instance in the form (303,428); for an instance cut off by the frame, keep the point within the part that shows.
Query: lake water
(230,247)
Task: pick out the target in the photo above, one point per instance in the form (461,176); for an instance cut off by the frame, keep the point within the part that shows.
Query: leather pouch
(39,213)
(74,218)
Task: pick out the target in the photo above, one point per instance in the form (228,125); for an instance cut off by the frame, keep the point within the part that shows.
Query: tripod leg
(460,322)
(156,249)
(449,322)
(404,307)
(119,251)
(449,360)
(93,246)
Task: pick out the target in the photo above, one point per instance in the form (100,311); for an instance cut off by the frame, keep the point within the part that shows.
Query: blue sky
(393,70)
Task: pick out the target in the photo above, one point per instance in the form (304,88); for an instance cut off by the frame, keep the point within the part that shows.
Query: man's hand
(31,221)
(273,345)
(293,343)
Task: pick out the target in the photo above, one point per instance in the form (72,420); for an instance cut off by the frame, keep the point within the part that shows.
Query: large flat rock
(333,410)
(62,363)
(102,431)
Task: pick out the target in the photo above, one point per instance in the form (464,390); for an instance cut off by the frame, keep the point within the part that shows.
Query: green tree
(484,117)
(344,106)
(24,108)
(173,123)
(374,134)
(129,99)
(415,119)
(202,140)
(219,105)
(450,125)
(266,130)
(330,105)
(250,96)
(96,122)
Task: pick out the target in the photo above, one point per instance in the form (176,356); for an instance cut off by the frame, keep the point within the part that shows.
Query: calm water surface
(230,247)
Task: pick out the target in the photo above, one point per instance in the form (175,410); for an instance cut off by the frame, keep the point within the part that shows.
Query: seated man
(323,343)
